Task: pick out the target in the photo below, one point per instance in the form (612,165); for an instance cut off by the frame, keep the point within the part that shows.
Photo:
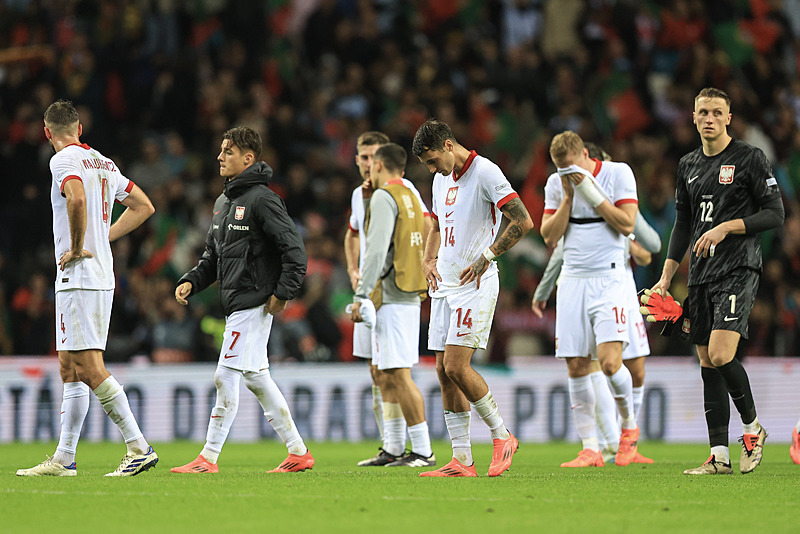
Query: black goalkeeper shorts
(723,304)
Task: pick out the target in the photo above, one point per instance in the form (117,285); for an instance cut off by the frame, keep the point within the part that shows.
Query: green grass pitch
(336,496)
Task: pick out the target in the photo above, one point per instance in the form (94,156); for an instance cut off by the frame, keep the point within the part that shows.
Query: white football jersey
(593,248)
(467,207)
(358,213)
(103,184)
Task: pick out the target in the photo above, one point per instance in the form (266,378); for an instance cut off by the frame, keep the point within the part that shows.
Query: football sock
(377,408)
(458,427)
(717,406)
(115,403)
(223,413)
(638,399)
(276,409)
(487,409)
(582,399)
(605,412)
(622,386)
(739,389)
(721,454)
(420,439)
(751,428)
(394,429)
(74,408)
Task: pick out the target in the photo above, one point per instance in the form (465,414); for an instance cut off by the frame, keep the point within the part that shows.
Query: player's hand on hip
(431,274)
(708,242)
(537,306)
(275,305)
(474,272)
(182,292)
(73,256)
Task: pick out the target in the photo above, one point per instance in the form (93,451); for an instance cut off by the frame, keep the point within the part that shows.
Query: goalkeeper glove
(655,307)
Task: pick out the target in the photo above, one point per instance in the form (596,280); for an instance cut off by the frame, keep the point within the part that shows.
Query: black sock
(718,409)
(739,388)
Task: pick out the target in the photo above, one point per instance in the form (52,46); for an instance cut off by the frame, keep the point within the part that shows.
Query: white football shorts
(244,346)
(591,311)
(362,340)
(395,339)
(638,344)
(82,318)
(464,318)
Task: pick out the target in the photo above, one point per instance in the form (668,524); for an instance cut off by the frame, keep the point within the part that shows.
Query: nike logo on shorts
(726,318)
(462,334)
(230,356)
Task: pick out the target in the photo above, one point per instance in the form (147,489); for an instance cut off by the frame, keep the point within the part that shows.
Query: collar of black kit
(257,174)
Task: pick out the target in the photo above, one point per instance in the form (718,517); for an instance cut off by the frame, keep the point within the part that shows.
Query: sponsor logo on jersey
(726,174)
(687,326)
(238,227)
(239,213)
(451,196)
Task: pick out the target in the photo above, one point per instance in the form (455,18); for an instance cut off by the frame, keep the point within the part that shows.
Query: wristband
(488,254)
(589,192)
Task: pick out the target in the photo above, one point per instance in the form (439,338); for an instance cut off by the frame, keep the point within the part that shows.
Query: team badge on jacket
(239,213)
(451,196)
(726,174)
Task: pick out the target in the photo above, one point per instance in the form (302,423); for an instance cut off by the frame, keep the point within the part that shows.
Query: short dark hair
(713,92)
(372,138)
(431,136)
(61,116)
(596,152)
(245,139)
(393,157)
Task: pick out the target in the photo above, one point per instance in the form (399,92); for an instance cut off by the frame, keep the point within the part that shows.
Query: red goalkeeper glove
(656,307)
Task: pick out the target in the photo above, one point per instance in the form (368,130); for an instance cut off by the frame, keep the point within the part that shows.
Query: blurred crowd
(157,82)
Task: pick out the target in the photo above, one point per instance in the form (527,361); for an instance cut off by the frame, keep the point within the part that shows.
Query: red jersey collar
(82,145)
(598,165)
(467,163)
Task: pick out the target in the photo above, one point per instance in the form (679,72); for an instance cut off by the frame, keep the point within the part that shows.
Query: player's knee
(455,371)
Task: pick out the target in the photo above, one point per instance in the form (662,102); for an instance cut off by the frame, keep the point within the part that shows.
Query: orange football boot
(638,458)
(794,449)
(502,455)
(586,458)
(294,463)
(453,469)
(628,443)
(198,465)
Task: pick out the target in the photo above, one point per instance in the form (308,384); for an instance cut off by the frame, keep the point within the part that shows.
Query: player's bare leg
(402,387)
(457,366)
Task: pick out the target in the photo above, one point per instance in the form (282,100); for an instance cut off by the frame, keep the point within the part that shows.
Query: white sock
(458,428)
(394,429)
(115,404)
(751,428)
(582,399)
(377,408)
(74,408)
(487,409)
(622,386)
(420,439)
(721,454)
(223,413)
(276,409)
(605,412)
(638,399)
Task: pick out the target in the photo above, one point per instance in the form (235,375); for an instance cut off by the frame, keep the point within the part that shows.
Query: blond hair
(564,144)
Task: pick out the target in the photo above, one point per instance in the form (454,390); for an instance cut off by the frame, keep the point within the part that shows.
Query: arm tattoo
(508,236)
